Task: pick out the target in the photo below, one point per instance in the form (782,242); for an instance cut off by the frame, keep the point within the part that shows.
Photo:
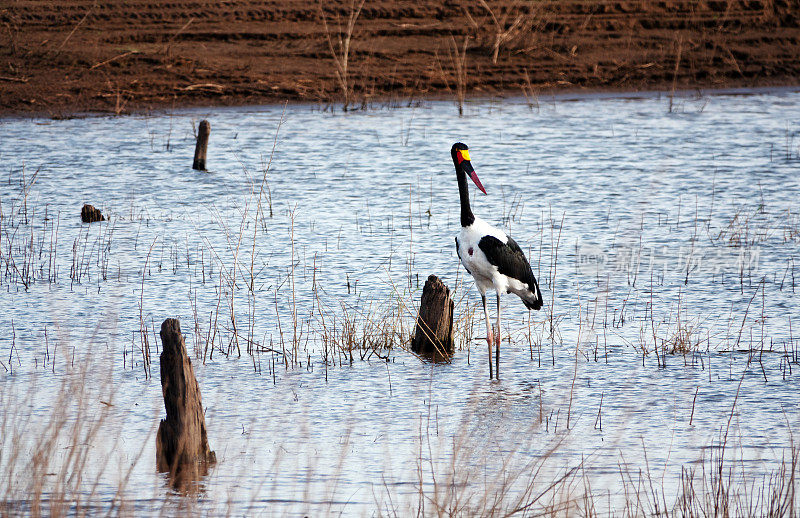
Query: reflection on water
(653,234)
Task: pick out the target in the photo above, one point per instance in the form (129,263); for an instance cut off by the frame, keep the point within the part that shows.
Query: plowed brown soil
(59,57)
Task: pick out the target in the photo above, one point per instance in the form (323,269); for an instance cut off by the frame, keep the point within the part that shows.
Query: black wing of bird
(511,261)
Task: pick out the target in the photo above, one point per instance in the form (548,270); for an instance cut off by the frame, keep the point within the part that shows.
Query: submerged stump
(434,330)
(89,214)
(201,146)
(181,442)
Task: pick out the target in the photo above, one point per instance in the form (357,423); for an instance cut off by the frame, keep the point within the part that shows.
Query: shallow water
(614,198)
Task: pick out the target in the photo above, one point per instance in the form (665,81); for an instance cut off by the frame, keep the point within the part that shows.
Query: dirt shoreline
(60,58)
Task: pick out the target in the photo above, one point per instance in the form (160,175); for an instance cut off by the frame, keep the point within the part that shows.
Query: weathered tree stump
(201,146)
(181,442)
(89,214)
(434,330)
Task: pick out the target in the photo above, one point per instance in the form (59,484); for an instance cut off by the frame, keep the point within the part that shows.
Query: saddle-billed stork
(493,259)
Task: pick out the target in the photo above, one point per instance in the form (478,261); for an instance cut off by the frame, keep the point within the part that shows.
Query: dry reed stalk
(552,279)
(575,366)
(675,72)
(340,53)
(264,183)
(143,331)
(530,93)
(458,62)
(295,341)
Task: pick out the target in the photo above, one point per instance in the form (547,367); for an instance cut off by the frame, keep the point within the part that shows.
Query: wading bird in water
(493,259)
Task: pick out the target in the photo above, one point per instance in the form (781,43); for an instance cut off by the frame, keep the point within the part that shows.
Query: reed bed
(337,330)
(259,298)
(233,282)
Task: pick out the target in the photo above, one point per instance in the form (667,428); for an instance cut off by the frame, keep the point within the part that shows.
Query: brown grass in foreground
(63,464)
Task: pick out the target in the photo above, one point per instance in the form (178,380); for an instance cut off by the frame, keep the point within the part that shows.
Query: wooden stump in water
(202,146)
(89,214)
(434,330)
(181,442)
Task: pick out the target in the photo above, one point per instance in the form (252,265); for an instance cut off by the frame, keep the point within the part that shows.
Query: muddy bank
(65,56)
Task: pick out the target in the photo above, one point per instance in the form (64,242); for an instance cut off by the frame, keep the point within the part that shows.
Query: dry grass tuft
(54,463)
(339,46)
(684,339)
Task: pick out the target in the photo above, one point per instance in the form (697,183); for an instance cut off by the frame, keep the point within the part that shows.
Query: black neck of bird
(467,218)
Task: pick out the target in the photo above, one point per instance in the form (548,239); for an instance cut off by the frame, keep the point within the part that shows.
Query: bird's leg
(489,336)
(497,342)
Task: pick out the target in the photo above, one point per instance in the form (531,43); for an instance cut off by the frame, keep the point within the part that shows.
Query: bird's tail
(534,300)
